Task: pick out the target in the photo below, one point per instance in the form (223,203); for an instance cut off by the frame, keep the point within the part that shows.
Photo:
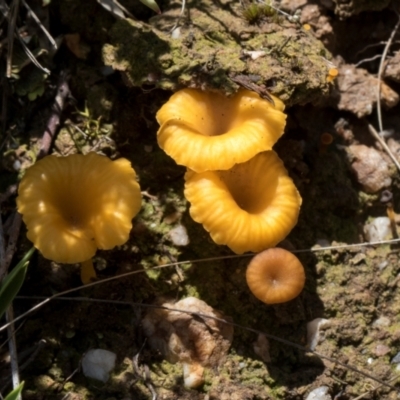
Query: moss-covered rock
(219,49)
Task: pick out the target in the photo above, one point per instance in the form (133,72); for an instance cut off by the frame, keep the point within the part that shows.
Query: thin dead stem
(12,346)
(365,60)
(369,46)
(224,321)
(382,142)
(361,396)
(41,26)
(201,260)
(54,120)
(380,72)
(8,252)
(12,21)
(61,295)
(2,251)
(179,16)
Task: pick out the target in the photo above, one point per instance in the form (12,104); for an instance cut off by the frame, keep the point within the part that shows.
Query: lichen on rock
(213,50)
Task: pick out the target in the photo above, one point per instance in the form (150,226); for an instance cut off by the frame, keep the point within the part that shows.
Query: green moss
(208,54)
(166,374)
(255,12)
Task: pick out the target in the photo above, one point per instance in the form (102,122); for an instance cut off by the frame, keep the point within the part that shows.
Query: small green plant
(254,12)
(13,395)
(12,283)
(90,126)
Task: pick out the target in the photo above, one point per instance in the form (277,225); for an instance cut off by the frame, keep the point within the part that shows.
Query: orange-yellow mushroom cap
(251,207)
(332,74)
(209,131)
(74,205)
(275,276)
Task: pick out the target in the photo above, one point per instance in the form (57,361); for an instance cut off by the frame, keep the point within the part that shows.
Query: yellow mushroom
(209,131)
(275,276)
(74,205)
(251,207)
(332,74)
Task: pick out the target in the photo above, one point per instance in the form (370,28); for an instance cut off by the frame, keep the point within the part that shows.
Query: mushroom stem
(88,272)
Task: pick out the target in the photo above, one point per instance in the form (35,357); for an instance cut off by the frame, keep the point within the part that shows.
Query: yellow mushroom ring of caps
(275,276)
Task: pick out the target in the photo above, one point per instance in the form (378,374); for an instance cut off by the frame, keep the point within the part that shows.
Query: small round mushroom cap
(76,204)
(251,207)
(209,131)
(275,276)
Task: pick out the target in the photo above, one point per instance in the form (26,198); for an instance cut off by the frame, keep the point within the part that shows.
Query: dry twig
(11,245)
(204,316)
(41,26)
(54,120)
(222,320)
(382,142)
(12,21)
(313,250)
(179,16)
(380,72)
(12,345)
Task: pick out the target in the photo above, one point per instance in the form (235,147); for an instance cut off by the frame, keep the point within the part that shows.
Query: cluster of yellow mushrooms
(236,184)
(238,187)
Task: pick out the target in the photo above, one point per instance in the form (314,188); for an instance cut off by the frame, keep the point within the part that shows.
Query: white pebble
(320,393)
(179,236)
(313,328)
(17,165)
(255,54)
(98,363)
(378,229)
(383,264)
(382,321)
(396,359)
(176,33)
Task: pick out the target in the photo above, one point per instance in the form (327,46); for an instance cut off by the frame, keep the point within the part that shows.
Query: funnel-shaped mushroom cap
(251,207)
(76,204)
(208,131)
(275,276)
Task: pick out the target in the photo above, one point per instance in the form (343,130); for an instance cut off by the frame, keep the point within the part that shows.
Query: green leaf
(11,284)
(152,4)
(15,393)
